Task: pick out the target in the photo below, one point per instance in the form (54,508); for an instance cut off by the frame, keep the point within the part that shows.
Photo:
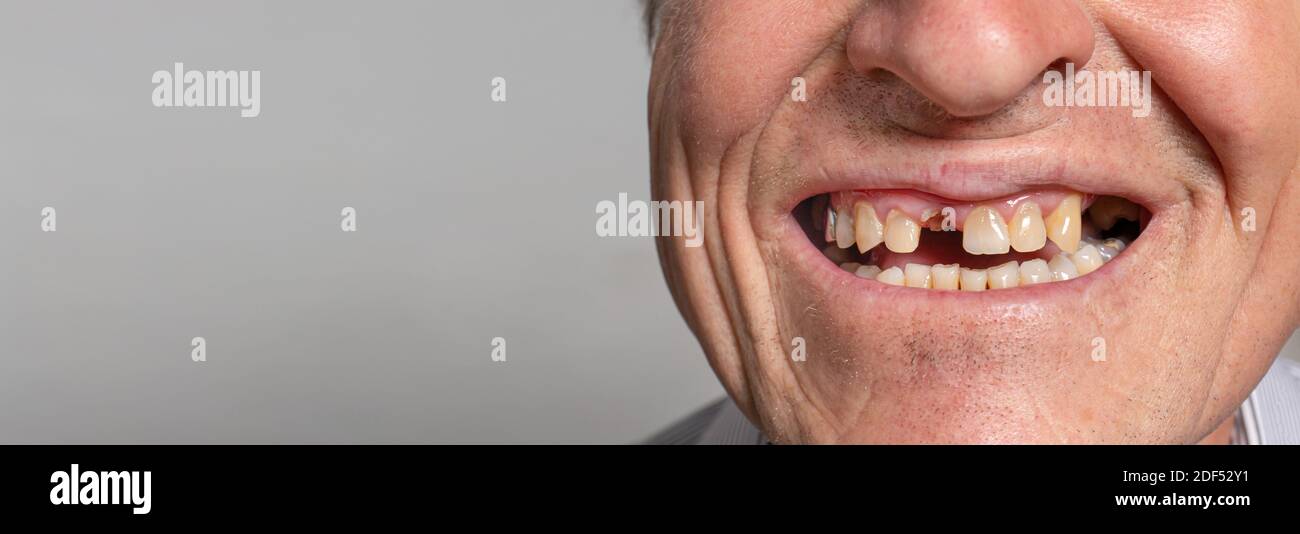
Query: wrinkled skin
(947,93)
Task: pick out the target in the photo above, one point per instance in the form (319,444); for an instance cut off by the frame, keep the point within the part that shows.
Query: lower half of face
(887,262)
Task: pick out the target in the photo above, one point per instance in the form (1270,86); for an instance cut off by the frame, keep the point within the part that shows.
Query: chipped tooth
(844,228)
(944,276)
(974,279)
(1086,260)
(902,234)
(1027,231)
(850,266)
(1106,211)
(867,271)
(917,275)
(1004,276)
(1063,225)
(1062,268)
(1034,272)
(892,276)
(985,233)
(867,230)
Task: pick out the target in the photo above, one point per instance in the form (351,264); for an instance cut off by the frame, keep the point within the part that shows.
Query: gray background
(476,220)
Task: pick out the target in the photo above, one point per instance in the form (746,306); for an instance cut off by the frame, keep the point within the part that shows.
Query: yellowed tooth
(1106,211)
(843,228)
(902,234)
(1034,272)
(1062,268)
(917,275)
(974,279)
(1004,276)
(867,228)
(892,276)
(985,232)
(1087,259)
(867,271)
(1027,231)
(944,276)
(1064,225)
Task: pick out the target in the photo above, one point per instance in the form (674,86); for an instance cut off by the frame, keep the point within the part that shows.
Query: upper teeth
(902,234)
(1064,225)
(984,231)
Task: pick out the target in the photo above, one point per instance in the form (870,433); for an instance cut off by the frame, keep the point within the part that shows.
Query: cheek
(1231,67)
(739,59)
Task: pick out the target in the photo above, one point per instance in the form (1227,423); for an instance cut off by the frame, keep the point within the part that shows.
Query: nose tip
(971,57)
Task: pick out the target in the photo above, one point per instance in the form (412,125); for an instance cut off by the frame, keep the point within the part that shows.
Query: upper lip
(975,172)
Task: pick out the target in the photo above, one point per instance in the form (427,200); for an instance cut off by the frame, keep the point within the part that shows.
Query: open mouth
(915,239)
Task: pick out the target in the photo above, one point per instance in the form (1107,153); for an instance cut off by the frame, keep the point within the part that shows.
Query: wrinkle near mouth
(913,239)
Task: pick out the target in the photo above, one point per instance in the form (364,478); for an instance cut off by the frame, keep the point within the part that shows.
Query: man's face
(933,114)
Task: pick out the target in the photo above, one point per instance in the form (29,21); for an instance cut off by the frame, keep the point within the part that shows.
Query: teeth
(830,225)
(1027,231)
(1004,276)
(843,228)
(892,276)
(867,271)
(951,277)
(902,234)
(1063,225)
(917,275)
(866,227)
(1087,259)
(944,276)
(1110,248)
(985,233)
(1034,272)
(974,279)
(1106,211)
(1062,268)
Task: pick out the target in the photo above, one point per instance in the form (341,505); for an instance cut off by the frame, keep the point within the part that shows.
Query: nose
(971,57)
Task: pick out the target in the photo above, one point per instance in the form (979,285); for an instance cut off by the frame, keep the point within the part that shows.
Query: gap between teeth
(1065,266)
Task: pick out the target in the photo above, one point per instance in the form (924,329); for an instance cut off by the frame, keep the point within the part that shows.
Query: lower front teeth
(1065,266)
